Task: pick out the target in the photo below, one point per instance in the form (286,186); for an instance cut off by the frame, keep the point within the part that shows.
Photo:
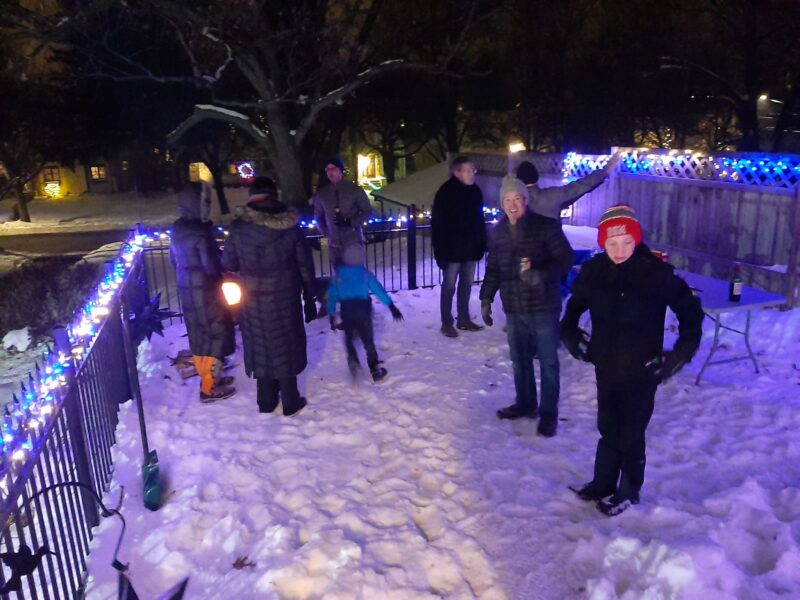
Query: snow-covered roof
(418,188)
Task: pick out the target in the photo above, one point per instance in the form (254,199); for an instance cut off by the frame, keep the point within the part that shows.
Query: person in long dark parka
(627,291)
(268,249)
(198,270)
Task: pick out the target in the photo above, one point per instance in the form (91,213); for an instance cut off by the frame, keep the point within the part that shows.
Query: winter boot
(547,426)
(614,506)
(515,411)
(449,331)
(300,406)
(217,393)
(590,492)
(378,373)
(469,326)
(225,380)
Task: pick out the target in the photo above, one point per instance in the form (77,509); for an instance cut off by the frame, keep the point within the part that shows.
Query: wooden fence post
(793,266)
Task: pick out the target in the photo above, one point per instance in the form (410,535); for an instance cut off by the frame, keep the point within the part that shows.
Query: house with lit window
(59,180)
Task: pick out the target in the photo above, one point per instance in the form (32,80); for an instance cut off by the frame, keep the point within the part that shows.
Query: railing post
(76,428)
(412,247)
(133,375)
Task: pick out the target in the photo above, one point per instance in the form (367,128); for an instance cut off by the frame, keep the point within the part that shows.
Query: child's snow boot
(378,373)
(217,393)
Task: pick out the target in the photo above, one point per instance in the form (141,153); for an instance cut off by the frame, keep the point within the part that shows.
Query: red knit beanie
(618,220)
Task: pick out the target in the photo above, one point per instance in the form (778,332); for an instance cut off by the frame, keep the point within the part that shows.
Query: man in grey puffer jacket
(341,208)
(549,202)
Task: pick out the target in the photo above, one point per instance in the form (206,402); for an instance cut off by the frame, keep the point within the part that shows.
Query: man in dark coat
(550,201)
(195,254)
(627,291)
(459,242)
(341,208)
(528,256)
(268,249)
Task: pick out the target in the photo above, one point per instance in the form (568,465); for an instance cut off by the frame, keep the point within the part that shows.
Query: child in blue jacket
(350,287)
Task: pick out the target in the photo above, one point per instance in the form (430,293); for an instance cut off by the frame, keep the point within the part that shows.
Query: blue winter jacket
(354,283)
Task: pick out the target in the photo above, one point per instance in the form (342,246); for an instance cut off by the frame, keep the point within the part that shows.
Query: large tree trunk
(21,210)
(389,164)
(216,172)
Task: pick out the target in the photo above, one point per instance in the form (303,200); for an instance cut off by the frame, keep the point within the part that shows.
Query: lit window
(51,174)
(98,173)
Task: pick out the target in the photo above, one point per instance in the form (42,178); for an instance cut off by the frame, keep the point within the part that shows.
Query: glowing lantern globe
(232,292)
(246,170)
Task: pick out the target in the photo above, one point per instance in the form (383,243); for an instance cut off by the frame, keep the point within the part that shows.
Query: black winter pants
(623,413)
(357,321)
(268,390)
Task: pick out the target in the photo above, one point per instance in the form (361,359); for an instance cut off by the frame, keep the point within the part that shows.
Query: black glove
(396,314)
(577,344)
(665,366)
(310,309)
(441,264)
(333,322)
(486,313)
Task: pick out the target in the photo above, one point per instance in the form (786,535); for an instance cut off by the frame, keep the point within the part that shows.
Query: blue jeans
(529,335)
(465,273)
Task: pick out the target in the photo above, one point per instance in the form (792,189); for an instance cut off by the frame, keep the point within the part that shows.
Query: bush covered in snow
(44,293)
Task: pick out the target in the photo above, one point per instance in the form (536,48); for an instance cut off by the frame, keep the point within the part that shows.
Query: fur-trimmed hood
(285,219)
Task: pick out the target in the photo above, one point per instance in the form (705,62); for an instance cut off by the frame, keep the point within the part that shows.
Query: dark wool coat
(198,271)
(628,304)
(457,224)
(539,239)
(271,254)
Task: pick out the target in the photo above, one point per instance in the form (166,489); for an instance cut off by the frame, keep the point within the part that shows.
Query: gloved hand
(441,264)
(310,309)
(577,343)
(333,322)
(486,313)
(396,314)
(665,366)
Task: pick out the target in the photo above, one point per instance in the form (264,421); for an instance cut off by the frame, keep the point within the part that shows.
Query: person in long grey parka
(198,270)
(268,249)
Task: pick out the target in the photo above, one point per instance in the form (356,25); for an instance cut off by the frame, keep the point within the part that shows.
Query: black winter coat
(457,224)
(542,241)
(628,304)
(274,260)
(195,254)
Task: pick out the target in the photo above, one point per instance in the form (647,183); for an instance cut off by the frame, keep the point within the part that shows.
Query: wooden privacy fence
(708,212)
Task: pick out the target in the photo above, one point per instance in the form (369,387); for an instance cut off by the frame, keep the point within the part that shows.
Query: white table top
(713,294)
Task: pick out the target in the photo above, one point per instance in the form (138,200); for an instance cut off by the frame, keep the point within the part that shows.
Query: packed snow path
(413,489)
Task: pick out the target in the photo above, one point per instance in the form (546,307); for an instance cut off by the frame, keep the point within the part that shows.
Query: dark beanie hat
(336,161)
(618,220)
(262,188)
(528,173)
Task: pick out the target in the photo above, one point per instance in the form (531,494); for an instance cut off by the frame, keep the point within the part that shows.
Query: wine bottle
(735,288)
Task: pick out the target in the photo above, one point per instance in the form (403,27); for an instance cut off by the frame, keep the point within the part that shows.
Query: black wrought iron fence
(60,429)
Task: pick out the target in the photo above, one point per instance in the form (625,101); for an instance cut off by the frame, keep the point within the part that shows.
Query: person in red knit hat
(627,291)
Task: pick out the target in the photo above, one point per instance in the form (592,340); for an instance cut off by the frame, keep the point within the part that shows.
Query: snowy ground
(413,489)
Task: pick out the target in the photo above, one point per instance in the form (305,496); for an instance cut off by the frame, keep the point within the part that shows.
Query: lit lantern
(246,170)
(232,292)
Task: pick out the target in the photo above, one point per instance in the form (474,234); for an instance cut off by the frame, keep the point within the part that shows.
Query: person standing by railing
(458,233)
(195,255)
(341,208)
(268,249)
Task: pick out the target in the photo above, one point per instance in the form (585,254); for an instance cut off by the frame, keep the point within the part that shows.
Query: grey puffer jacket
(268,249)
(198,271)
(538,239)
(353,204)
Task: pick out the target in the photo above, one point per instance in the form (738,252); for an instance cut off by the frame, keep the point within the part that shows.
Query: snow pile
(17,340)
(413,489)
